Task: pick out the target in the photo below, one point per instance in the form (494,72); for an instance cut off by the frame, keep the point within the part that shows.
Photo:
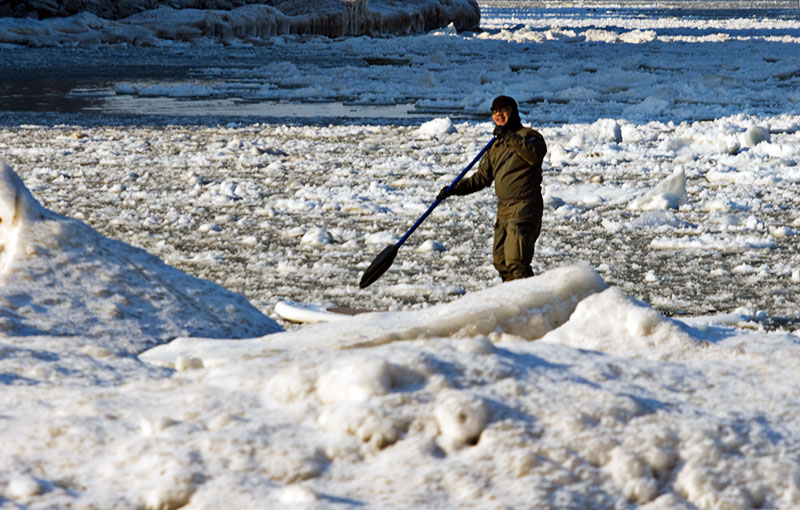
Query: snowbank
(255,22)
(61,278)
(447,407)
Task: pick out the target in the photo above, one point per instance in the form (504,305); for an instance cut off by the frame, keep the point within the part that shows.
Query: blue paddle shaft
(437,201)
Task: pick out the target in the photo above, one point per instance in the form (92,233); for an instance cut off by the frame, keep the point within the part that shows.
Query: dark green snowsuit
(514,164)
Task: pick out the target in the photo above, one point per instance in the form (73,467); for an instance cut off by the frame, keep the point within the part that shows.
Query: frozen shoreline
(256,23)
(437,74)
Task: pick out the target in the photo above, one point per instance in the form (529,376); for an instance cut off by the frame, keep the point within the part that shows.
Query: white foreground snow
(123,387)
(451,406)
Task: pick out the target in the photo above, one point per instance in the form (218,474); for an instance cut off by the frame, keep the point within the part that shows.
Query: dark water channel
(64,84)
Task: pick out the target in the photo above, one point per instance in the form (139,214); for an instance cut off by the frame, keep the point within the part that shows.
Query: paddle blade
(379,266)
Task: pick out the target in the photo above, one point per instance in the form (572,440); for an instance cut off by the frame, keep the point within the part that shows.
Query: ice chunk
(431,246)
(168,481)
(638,36)
(528,308)
(754,136)
(23,487)
(436,128)
(381,238)
(633,475)
(317,236)
(667,194)
(297,495)
(356,379)
(557,155)
(608,130)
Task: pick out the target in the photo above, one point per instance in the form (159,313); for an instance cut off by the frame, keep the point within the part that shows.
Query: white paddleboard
(310,313)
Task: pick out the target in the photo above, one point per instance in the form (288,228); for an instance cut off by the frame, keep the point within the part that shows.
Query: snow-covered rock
(139,22)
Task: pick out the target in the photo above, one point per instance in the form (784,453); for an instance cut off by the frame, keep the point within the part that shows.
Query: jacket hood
(506,102)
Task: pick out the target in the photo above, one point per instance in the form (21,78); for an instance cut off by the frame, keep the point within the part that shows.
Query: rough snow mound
(154,22)
(614,323)
(59,277)
(452,407)
(527,308)
(18,209)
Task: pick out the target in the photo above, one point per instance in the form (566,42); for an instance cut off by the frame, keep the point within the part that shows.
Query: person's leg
(498,251)
(520,241)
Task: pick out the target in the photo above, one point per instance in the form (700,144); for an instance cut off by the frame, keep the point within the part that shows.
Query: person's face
(501,116)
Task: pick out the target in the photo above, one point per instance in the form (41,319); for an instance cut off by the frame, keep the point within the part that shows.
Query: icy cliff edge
(184,22)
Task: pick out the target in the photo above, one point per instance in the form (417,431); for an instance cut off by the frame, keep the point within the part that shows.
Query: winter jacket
(514,164)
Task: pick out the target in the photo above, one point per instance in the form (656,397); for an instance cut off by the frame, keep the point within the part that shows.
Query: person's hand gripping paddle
(385,258)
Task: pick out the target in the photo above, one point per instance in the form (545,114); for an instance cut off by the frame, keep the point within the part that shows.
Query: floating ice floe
(316,236)
(667,194)
(431,246)
(436,128)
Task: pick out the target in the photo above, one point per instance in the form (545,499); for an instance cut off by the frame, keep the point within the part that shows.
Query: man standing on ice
(514,164)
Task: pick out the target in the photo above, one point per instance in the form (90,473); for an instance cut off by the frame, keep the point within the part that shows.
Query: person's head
(505,112)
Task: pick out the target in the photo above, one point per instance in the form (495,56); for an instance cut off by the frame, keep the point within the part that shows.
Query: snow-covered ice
(652,363)
(233,203)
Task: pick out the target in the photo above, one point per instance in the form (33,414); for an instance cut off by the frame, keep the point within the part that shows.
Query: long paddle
(385,258)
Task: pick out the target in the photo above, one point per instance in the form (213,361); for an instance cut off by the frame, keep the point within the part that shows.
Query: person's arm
(482,178)
(532,148)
